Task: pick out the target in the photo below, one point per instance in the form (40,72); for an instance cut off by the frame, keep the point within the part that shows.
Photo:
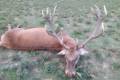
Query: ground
(103,60)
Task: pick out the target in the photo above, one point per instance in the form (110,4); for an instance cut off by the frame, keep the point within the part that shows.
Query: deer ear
(62,52)
(83,51)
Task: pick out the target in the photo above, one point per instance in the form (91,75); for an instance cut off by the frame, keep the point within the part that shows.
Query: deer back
(33,39)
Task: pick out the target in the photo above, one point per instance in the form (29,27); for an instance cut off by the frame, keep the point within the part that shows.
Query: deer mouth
(70,73)
(70,68)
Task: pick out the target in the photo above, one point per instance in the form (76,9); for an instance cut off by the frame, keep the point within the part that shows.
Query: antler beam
(99,29)
(49,17)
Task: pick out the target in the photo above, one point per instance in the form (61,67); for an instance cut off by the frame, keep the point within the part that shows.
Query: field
(103,60)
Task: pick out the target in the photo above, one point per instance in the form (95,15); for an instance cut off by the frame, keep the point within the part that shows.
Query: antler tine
(54,10)
(60,40)
(97,11)
(47,11)
(43,15)
(99,25)
(49,17)
(105,10)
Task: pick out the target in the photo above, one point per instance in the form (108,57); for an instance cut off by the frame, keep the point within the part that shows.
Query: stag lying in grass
(42,39)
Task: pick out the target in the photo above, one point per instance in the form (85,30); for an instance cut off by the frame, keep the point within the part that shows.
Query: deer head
(72,54)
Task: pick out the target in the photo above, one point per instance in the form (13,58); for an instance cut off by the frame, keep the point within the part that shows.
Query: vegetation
(103,60)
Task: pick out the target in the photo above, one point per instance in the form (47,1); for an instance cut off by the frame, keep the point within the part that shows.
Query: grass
(103,60)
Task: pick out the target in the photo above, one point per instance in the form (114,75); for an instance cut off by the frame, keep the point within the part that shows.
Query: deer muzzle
(70,68)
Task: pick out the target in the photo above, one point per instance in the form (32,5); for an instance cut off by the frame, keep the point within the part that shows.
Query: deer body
(38,39)
(43,39)
(33,39)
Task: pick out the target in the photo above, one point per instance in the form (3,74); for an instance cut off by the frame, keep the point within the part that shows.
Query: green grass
(8,75)
(103,60)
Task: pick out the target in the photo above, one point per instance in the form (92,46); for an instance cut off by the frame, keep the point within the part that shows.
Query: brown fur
(39,39)
(33,39)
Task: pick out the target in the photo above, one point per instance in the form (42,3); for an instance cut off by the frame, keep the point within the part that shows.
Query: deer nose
(70,73)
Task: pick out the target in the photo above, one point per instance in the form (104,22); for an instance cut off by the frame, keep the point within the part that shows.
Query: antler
(99,29)
(49,17)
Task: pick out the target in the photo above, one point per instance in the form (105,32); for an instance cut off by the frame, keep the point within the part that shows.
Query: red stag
(41,38)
